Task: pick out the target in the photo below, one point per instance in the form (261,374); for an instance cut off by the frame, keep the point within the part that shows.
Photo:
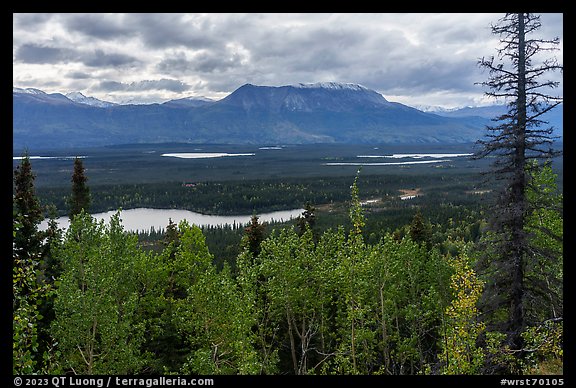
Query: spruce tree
(519,137)
(420,230)
(80,198)
(27,212)
(307,220)
(254,235)
(28,290)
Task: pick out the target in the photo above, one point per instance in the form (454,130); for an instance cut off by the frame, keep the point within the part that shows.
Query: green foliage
(96,324)
(251,283)
(346,307)
(389,290)
(420,230)
(214,318)
(307,220)
(543,273)
(26,211)
(410,291)
(543,351)
(545,227)
(30,291)
(254,235)
(355,212)
(544,348)
(238,196)
(298,292)
(462,326)
(27,294)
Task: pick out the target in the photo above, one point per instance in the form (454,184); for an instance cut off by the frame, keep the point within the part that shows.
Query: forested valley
(442,197)
(356,288)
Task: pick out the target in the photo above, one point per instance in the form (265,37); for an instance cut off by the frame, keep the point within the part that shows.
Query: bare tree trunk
(386,350)
(518,200)
(292,343)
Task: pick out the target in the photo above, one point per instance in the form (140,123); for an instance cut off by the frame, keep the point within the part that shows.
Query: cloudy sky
(413,58)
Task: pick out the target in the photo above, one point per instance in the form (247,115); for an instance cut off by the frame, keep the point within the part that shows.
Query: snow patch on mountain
(82,99)
(198,98)
(436,109)
(27,90)
(330,85)
(191,101)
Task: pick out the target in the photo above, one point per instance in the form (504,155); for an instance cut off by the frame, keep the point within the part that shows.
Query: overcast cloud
(416,59)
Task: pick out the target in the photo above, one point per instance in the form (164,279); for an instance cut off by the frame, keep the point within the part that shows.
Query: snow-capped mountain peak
(436,109)
(27,90)
(330,85)
(190,101)
(198,98)
(82,99)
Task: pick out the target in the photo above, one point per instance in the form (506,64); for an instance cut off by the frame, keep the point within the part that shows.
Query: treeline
(263,196)
(224,241)
(444,197)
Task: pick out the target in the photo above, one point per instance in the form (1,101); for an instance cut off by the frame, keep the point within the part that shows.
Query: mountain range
(293,114)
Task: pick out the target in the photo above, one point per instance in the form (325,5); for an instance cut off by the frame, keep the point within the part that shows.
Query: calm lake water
(144,218)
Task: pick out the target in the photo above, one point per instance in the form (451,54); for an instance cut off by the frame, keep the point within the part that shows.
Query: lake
(177,163)
(142,219)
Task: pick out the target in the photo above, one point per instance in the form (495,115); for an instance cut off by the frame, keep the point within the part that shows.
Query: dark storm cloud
(438,74)
(78,75)
(112,86)
(171,30)
(456,30)
(161,84)
(296,44)
(33,53)
(210,62)
(426,76)
(31,19)
(98,58)
(97,26)
(275,54)
(407,56)
(38,54)
(205,61)
(175,63)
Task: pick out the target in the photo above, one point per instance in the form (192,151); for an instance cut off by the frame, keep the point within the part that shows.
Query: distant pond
(142,219)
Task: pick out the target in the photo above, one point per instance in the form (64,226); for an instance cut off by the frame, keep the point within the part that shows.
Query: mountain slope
(302,113)
(82,99)
(554,117)
(343,113)
(188,102)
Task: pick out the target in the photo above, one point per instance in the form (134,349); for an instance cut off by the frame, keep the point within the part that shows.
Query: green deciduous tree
(544,264)
(265,328)
(298,290)
(462,326)
(96,325)
(215,316)
(27,294)
(30,291)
